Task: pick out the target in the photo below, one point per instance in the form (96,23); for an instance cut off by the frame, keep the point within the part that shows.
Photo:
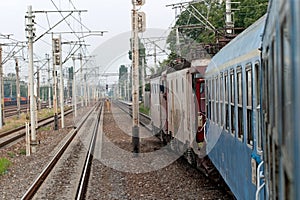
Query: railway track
(69,167)
(12,110)
(13,135)
(145,120)
(155,174)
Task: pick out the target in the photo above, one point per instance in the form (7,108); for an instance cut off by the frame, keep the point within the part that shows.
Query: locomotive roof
(247,42)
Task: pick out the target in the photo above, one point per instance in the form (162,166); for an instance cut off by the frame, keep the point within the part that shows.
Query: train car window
(213,99)
(232,91)
(240,103)
(217,99)
(257,106)
(226,102)
(221,86)
(239,86)
(162,88)
(208,95)
(249,103)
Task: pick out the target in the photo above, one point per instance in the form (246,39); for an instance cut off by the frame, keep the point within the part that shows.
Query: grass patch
(22,151)
(4,165)
(14,122)
(45,128)
(144,110)
(11,154)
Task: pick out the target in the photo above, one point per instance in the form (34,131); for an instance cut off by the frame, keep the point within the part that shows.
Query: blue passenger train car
(233,110)
(281,99)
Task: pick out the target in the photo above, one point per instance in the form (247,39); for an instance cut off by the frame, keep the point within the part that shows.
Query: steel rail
(81,191)
(40,179)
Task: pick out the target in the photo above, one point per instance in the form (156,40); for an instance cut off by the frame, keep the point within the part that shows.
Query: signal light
(56,45)
(141,21)
(57,59)
(138,2)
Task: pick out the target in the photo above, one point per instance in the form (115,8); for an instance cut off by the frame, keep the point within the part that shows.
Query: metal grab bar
(259,175)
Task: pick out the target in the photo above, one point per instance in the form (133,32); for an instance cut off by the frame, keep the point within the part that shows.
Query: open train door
(201,114)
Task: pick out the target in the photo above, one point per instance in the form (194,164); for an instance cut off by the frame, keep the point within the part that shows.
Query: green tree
(246,13)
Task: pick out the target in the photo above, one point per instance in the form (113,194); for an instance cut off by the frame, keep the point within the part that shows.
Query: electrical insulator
(141,21)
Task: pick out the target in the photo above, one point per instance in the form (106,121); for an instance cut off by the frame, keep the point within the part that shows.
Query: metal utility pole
(138,19)
(81,79)
(49,84)
(18,88)
(143,79)
(62,112)
(74,90)
(56,60)
(38,93)
(30,36)
(1,105)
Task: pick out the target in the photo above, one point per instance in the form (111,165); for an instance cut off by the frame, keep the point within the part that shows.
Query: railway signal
(138,2)
(141,22)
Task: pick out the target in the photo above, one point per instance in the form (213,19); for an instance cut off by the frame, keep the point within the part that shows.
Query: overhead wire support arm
(52,27)
(63,19)
(57,11)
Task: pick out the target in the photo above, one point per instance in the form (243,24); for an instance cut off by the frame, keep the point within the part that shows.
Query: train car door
(201,114)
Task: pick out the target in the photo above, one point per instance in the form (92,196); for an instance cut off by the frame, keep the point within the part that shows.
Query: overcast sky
(106,15)
(109,15)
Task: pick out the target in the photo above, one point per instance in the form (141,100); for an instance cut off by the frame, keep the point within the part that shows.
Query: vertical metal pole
(38,93)
(81,80)
(1,105)
(143,79)
(62,112)
(49,84)
(18,88)
(74,90)
(135,82)
(31,77)
(55,93)
(85,89)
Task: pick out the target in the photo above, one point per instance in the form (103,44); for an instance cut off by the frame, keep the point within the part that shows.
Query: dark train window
(249,85)
(217,100)
(222,99)
(249,103)
(232,91)
(213,95)
(239,86)
(226,101)
(257,106)
(240,102)
(208,95)
(232,85)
